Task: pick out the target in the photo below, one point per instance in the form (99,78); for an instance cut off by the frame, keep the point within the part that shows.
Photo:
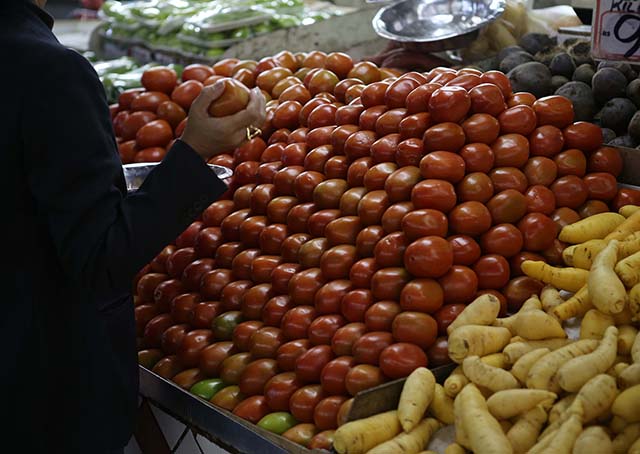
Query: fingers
(206,97)
(253,114)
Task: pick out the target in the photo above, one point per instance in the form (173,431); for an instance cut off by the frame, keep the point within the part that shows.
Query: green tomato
(207,388)
(224,324)
(278,422)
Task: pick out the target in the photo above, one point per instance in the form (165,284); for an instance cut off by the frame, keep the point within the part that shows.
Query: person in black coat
(75,239)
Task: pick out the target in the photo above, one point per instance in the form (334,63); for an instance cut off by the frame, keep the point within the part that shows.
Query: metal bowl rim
(386,34)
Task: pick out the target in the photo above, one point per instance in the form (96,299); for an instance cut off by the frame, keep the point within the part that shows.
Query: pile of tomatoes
(372,209)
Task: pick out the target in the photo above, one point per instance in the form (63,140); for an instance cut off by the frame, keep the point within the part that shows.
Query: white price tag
(616,30)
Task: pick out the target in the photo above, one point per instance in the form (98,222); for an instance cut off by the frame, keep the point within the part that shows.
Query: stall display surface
(372,210)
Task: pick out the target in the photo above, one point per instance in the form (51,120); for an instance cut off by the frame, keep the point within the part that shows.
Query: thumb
(208,94)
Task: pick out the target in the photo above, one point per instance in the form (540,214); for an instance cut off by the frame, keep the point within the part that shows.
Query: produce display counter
(221,427)
(342,32)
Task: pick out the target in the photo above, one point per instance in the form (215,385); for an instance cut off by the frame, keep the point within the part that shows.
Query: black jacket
(68,378)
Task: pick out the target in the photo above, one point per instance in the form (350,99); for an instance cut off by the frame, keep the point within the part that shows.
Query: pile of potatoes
(522,386)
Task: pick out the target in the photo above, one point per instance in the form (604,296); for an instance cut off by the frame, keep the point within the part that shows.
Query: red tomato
(570,191)
(476,186)
(372,206)
(418,99)
(325,415)
(399,360)
(392,217)
(498,78)
(459,285)
(487,98)
(478,157)
(564,216)
(503,239)
(192,345)
(387,283)
(554,110)
(626,196)
(409,152)
(389,250)
(571,162)
(449,104)
(310,363)
(368,347)
(465,249)
(446,136)
(242,334)
(436,194)
(519,289)
(416,328)
(255,376)
(470,218)
(601,185)
(521,98)
(185,93)
(322,440)
(253,409)
(197,72)
(157,133)
(481,128)
(264,343)
(288,353)
(504,178)
(323,328)
(606,159)
(279,389)
(212,356)
(492,271)
(546,141)
(438,353)
(296,321)
(329,296)
(303,402)
(361,377)
(538,231)
(446,315)
(583,135)
(429,256)
(362,272)
(397,92)
(518,119)
(507,206)
(182,307)
(414,126)
(540,171)
(442,165)
(422,295)
(510,150)
(592,207)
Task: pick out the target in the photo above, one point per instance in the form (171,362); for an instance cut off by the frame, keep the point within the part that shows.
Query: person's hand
(210,136)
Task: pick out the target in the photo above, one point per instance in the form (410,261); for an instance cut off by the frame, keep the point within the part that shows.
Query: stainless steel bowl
(135,174)
(436,24)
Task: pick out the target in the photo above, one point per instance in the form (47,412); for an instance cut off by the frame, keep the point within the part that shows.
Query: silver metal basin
(440,24)
(135,174)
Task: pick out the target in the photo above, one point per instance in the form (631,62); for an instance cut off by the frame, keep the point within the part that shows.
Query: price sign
(616,30)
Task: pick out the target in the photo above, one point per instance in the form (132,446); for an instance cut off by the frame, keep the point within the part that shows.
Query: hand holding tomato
(210,136)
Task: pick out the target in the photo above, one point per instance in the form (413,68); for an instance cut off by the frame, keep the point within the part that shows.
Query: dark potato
(581,97)
(584,73)
(536,42)
(562,65)
(616,114)
(533,77)
(608,83)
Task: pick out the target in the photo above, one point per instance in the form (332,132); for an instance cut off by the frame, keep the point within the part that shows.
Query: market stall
(397,216)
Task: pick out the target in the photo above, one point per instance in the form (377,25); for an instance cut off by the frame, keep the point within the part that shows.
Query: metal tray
(437,24)
(135,174)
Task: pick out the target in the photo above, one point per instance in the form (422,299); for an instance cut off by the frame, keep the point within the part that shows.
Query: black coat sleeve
(102,236)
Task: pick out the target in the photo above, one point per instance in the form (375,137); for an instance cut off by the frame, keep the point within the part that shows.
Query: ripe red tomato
(498,78)
(212,356)
(296,321)
(242,333)
(253,409)
(625,196)
(504,178)
(387,283)
(446,136)
(465,249)
(481,128)
(182,307)
(487,98)
(156,133)
(564,216)
(478,157)
(309,364)
(414,126)
(255,376)
(459,285)
(606,159)
(518,120)
(357,170)
(418,100)
(571,162)
(264,342)
(570,191)
(288,353)
(416,328)
(429,256)
(519,289)
(192,345)
(601,185)
(422,295)
(397,92)
(446,315)
(279,389)
(323,328)
(325,415)
(442,165)
(172,338)
(492,271)
(400,359)
(322,440)
(449,104)
(554,110)
(521,98)
(328,297)
(540,170)
(470,218)
(372,206)
(303,402)
(379,317)
(592,207)
(538,231)
(368,347)
(436,194)
(376,176)
(507,206)
(227,398)
(438,353)
(343,339)
(476,186)
(185,93)
(503,239)
(510,150)
(361,377)
(355,303)
(362,272)
(583,135)
(546,141)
